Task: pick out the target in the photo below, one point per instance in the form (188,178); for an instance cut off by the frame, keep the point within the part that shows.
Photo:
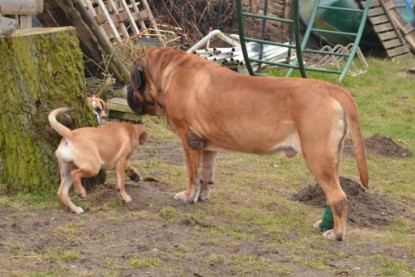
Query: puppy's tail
(58,127)
(352,118)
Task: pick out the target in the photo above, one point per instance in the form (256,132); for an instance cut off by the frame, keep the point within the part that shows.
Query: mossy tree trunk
(40,70)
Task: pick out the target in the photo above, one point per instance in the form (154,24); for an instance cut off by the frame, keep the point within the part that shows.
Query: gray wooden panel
(375,12)
(397,51)
(383,28)
(392,43)
(387,35)
(379,19)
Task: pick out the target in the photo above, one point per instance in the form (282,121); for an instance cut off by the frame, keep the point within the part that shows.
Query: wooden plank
(130,17)
(373,4)
(383,28)
(119,109)
(406,29)
(110,22)
(375,12)
(379,19)
(119,104)
(387,35)
(140,16)
(392,43)
(397,51)
(119,24)
(137,12)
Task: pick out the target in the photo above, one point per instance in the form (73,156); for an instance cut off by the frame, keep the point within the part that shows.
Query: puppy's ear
(143,137)
(104,106)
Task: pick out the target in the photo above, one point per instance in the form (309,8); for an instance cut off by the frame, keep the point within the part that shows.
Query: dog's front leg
(193,160)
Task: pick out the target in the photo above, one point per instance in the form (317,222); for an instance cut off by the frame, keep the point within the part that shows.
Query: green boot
(327,223)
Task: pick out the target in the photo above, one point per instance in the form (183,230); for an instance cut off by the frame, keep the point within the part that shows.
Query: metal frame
(300,46)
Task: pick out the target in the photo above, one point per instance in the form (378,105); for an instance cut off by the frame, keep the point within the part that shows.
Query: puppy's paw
(78,210)
(133,175)
(126,198)
(186,199)
(329,234)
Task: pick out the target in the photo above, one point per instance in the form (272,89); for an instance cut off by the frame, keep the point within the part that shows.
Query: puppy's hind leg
(65,185)
(120,170)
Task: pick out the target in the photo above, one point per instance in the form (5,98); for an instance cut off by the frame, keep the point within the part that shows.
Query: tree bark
(40,70)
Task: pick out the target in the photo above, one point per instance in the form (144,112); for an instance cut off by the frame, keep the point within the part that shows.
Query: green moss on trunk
(42,69)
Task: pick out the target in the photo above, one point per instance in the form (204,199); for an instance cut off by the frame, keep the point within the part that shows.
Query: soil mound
(366,209)
(379,145)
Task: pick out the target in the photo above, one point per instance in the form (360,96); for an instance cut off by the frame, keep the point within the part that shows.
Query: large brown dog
(212,108)
(84,151)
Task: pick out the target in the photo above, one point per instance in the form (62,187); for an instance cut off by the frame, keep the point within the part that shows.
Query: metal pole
(242,37)
(298,46)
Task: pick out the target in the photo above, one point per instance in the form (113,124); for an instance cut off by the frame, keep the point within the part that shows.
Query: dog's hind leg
(120,170)
(207,174)
(322,161)
(65,185)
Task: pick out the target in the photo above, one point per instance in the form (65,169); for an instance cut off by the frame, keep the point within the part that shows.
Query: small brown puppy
(84,151)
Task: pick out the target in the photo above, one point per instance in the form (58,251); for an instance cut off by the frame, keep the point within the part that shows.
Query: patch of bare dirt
(379,145)
(111,235)
(366,209)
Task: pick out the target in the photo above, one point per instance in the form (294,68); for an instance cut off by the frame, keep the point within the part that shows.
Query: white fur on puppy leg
(182,196)
(126,198)
(78,210)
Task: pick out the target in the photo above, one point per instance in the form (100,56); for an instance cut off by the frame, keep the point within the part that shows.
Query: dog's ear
(132,102)
(136,75)
(143,137)
(104,106)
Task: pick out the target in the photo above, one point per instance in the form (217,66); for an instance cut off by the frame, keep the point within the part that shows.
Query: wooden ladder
(386,30)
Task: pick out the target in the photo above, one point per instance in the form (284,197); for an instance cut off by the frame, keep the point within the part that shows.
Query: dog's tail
(58,127)
(352,118)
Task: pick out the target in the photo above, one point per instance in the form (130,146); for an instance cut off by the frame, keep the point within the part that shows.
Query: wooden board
(119,109)
(386,29)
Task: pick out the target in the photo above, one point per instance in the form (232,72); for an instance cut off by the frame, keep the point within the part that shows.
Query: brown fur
(84,151)
(212,108)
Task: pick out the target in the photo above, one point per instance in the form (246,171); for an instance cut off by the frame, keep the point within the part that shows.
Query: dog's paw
(187,200)
(204,195)
(329,234)
(126,198)
(78,210)
(133,175)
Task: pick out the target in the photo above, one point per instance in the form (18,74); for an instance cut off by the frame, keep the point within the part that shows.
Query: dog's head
(100,108)
(145,92)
